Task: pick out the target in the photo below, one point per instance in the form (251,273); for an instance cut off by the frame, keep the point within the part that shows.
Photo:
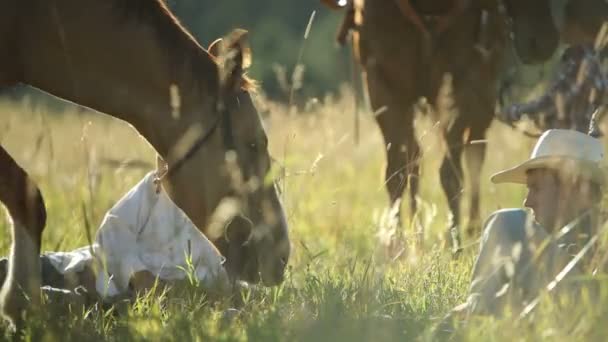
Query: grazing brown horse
(134,61)
(407,49)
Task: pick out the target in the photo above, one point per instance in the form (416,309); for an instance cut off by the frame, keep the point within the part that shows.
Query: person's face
(543,197)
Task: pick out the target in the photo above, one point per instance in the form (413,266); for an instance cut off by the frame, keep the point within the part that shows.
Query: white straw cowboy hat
(562,150)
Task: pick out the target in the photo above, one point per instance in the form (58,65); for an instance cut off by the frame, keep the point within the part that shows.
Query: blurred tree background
(277,29)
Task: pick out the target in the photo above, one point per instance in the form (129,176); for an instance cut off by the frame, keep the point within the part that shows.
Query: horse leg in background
(395,119)
(413,175)
(402,168)
(402,152)
(451,181)
(474,156)
(26,210)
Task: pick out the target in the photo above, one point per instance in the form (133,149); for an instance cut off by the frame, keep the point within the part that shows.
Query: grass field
(340,287)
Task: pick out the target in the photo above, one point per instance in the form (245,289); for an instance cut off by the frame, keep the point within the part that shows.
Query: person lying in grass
(144,240)
(522,253)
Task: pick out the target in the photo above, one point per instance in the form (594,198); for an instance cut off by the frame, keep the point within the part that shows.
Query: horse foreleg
(402,164)
(394,116)
(451,182)
(27,213)
(412,167)
(395,179)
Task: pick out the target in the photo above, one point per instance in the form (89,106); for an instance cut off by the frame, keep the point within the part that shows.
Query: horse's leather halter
(225,119)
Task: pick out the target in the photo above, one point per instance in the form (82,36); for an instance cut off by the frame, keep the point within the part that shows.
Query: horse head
(244,215)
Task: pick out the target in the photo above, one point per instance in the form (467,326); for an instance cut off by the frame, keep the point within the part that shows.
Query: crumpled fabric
(145,231)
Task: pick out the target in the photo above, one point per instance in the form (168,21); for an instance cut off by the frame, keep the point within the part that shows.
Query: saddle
(429,21)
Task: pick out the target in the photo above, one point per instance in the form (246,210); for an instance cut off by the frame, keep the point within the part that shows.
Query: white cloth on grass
(145,231)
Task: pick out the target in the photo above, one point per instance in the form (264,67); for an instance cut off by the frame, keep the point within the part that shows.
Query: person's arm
(500,255)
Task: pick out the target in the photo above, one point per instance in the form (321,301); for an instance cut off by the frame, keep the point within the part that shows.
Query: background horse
(411,49)
(134,61)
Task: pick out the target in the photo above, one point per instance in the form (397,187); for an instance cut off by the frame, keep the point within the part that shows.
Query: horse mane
(182,48)
(249,84)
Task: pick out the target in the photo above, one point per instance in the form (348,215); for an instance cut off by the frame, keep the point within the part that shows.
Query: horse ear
(160,163)
(335,4)
(215,47)
(235,57)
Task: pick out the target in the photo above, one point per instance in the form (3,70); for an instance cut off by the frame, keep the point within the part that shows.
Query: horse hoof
(452,241)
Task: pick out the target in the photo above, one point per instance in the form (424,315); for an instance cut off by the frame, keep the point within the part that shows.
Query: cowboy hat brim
(580,167)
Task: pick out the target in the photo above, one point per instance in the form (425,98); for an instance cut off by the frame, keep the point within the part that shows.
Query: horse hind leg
(26,211)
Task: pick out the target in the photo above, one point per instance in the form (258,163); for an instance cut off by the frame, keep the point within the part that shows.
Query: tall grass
(339,287)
